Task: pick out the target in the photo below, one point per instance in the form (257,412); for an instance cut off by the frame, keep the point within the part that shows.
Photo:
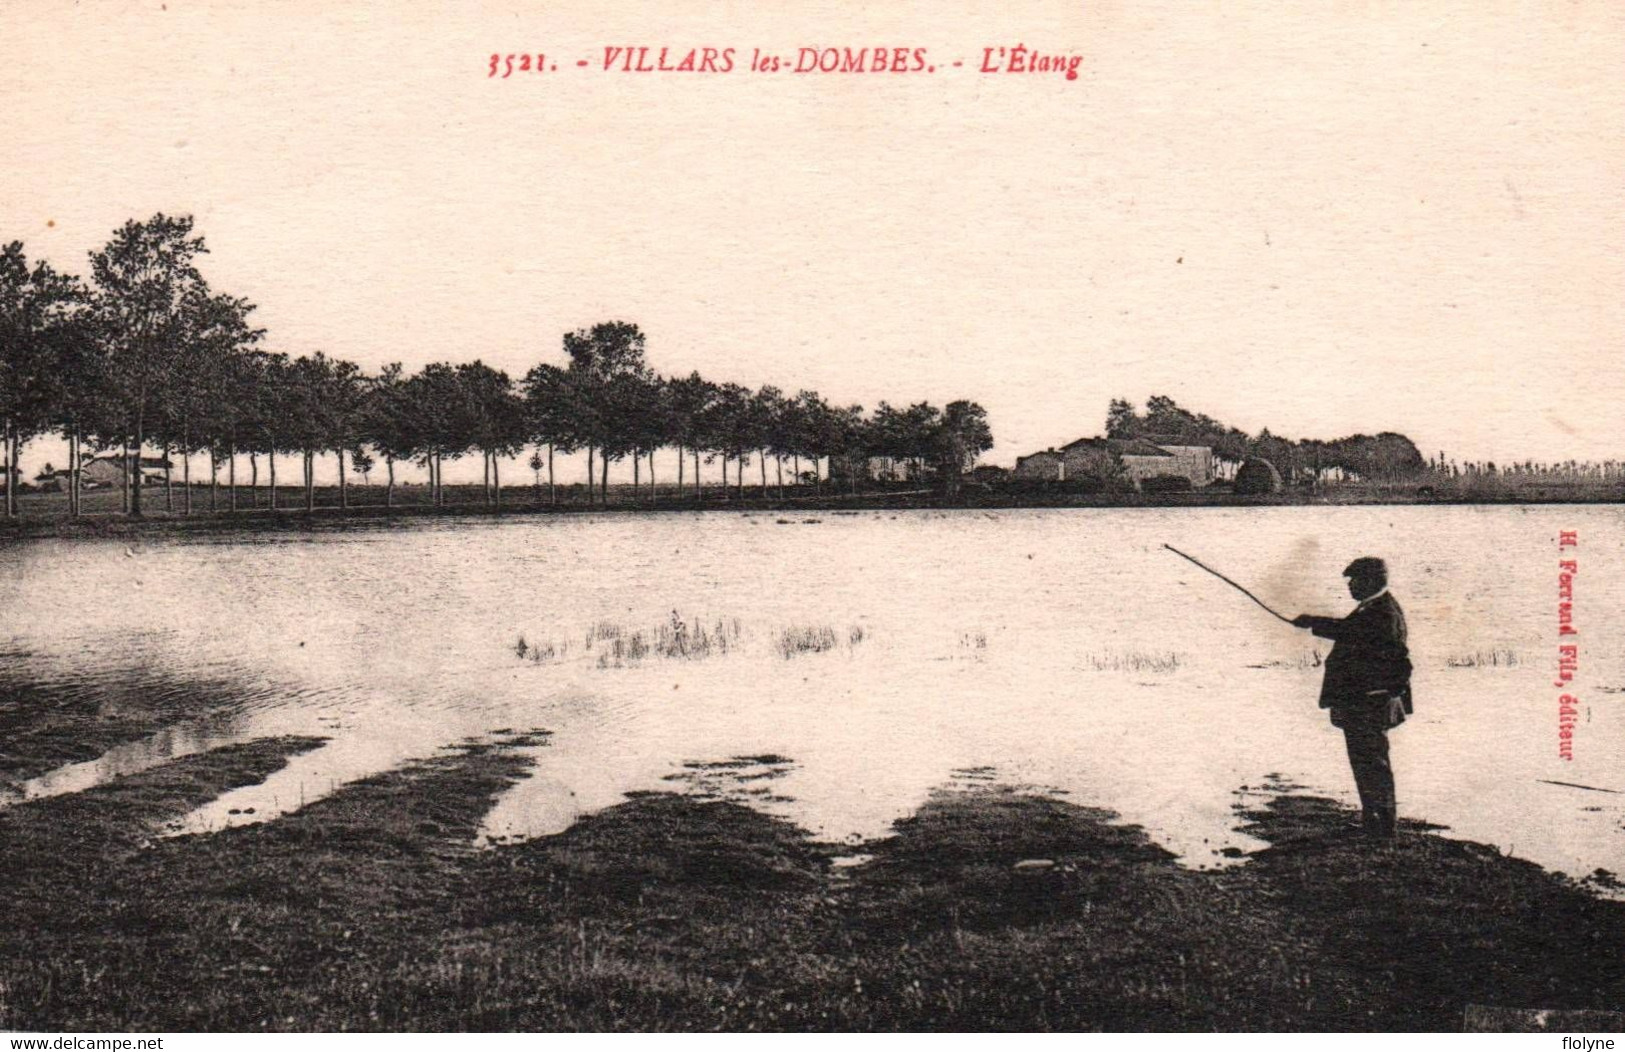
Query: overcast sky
(1344,217)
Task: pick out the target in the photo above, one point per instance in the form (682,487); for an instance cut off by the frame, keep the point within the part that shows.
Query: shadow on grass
(987,909)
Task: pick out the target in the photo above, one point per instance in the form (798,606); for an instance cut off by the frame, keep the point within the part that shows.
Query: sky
(1323,218)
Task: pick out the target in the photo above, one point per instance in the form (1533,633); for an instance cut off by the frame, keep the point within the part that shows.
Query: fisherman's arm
(1325,627)
(1367,631)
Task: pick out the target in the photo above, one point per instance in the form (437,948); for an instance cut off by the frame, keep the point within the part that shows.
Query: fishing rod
(1227,581)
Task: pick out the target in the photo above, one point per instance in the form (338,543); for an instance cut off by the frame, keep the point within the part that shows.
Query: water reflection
(171,743)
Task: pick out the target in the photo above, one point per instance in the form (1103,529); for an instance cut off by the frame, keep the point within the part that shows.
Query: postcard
(866,516)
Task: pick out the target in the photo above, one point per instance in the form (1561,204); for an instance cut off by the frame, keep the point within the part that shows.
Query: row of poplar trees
(147,356)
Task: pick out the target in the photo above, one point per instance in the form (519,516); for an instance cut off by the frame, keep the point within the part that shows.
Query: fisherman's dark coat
(1370,664)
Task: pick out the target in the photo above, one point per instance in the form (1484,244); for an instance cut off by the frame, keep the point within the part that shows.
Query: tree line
(146,355)
(1384,456)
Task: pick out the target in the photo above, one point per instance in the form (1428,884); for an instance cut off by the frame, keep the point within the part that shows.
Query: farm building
(1137,459)
(109,470)
(880,469)
(1046,465)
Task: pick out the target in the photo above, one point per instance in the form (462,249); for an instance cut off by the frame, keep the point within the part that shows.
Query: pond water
(839,668)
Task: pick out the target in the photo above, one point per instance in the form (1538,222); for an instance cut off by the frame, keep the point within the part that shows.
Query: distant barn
(1133,459)
(109,470)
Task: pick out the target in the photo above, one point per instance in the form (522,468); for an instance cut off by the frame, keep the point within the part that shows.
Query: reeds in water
(1136,661)
(1500,657)
(1313,659)
(540,653)
(807,639)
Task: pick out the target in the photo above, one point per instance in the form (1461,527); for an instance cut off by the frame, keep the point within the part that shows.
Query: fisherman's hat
(1367,566)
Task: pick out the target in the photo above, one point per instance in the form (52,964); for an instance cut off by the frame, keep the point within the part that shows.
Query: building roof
(146,462)
(1123,447)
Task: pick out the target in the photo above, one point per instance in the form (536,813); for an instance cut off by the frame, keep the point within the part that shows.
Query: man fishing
(1367,686)
(1368,680)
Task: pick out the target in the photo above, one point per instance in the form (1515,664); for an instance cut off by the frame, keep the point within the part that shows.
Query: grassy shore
(46,514)
(372,909)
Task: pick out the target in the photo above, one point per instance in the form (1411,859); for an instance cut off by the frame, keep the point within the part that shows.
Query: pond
(838,668)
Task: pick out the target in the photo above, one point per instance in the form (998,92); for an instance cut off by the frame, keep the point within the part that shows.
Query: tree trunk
(496,482)
(724,458)
(485,482)
(271,457)
(679,472)
(653,496)
(14,471)
(779,463)
(637,480)
(592,472)
(231,475)
(11,478)
(310,480)
(73,473)
(603,476)
(124,465)
(214,481)
(14,474)
(74,493)
(552,492)
(135,481)
(254,480)
(699,487)
(389,493)
(186,468)
(169,483)
(344,490)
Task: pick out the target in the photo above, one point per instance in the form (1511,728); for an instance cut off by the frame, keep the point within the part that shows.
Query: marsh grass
(678,638)
(1499,657)
(1313,659)
(1159,662)
(618,646)
(542,653)
(807,639)
(797,640)
(609,644)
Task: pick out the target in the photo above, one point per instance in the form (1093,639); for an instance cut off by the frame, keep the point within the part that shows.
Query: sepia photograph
(856,516)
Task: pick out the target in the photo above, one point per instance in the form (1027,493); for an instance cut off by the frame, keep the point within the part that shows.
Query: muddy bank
(372,909)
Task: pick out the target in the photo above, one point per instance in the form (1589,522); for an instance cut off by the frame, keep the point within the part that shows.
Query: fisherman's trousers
(1366,736)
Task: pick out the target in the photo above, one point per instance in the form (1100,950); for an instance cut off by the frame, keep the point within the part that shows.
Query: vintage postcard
(1088,515)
